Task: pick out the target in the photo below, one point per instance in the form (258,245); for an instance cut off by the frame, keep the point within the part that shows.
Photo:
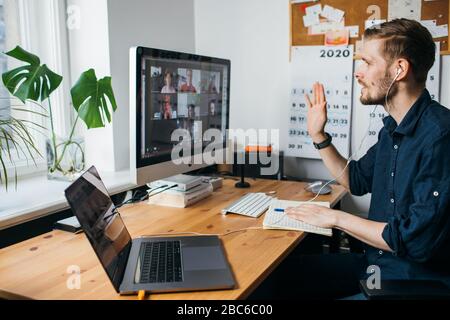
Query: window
(4,107)
(38,27)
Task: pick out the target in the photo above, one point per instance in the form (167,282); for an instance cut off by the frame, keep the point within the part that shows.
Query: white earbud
(399,70)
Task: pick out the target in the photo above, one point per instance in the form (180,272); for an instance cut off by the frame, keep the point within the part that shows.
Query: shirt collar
(408,124)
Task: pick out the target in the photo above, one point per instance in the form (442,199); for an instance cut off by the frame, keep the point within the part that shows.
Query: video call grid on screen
(180,94)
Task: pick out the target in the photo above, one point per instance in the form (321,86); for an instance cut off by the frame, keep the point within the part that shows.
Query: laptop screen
(92,205)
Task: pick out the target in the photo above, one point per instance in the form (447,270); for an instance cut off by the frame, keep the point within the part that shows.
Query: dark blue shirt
(408,174)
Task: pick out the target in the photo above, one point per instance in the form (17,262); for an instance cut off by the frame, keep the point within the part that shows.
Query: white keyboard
(250,205)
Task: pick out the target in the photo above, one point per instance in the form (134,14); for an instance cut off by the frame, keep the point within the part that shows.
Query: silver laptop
(154,264)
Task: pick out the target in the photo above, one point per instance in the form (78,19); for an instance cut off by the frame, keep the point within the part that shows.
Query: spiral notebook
(279,220)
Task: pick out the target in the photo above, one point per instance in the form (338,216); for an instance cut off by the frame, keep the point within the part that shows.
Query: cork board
(356,14)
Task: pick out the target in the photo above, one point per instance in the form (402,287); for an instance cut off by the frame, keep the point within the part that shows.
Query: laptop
(153,264)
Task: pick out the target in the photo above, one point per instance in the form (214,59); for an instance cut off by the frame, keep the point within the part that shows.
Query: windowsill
(37,197)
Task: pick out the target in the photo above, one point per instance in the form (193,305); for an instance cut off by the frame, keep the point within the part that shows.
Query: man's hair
(408,39)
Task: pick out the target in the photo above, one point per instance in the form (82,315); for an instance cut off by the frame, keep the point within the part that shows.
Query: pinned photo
(337,37)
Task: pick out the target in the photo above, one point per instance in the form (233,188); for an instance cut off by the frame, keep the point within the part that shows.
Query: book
(183,182)
(279,220)
(70,225)
(181,199)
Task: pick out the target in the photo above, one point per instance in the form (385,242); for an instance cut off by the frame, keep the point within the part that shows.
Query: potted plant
(35,82)
(15,138)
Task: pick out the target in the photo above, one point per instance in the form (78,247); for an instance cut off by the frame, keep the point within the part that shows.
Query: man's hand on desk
(315,215)
(367,231)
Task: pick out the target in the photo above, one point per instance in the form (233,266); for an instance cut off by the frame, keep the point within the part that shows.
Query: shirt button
(392,174)
(392,200)
(380,252)
(435,193)
(395,147)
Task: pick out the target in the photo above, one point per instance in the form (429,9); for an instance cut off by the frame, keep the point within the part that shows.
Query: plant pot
(66,160)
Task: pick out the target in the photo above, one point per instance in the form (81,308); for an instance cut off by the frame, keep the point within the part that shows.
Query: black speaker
(256,166)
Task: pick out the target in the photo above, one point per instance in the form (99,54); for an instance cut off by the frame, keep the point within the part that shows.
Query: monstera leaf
(89,99)
(32,81)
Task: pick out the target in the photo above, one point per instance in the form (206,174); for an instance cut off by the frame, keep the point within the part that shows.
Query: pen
(278,210)
(141,295)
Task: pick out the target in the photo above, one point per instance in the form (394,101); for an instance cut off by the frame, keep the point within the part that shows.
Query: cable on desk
(145,195)
(149,195)
(204,234)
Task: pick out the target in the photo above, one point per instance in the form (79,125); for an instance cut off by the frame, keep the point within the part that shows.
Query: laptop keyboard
(161,262)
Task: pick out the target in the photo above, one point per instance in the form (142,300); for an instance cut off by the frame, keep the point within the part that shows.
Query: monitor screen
(178,91)
(91,204)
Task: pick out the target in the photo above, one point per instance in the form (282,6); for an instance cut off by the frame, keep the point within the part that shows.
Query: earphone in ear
(399,70)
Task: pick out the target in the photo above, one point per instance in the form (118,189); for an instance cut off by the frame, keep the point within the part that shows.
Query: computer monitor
(173,90)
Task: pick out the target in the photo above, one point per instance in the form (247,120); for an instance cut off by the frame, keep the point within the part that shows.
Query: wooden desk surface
(37,268)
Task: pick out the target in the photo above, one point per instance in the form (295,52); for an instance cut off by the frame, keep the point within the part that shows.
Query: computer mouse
(316,186)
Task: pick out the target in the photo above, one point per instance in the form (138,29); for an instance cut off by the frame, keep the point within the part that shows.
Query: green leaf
(89,98)
(32,81)
(14,135)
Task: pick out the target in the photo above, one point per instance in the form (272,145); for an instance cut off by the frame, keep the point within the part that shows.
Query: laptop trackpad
(203,258)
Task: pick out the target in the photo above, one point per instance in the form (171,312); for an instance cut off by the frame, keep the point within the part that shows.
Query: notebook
(279,220)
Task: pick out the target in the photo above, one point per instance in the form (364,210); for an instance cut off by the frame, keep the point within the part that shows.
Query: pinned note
(428,23)
(325,26)
(313,10)
(336,37)
(353,31)
(440,31)
(436,31)
(374,22)
(310,20)
(409,9)
(332,14)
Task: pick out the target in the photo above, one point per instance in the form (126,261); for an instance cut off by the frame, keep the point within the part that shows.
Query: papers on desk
(279,220)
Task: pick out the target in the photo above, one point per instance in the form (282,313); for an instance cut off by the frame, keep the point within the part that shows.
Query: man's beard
(380,96)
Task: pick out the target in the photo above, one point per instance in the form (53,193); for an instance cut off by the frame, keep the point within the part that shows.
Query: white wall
(165,24)
(254,35)
(89,48)
(108,28)
(251,35)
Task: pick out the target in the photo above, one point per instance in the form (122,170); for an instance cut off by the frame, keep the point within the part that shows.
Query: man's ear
(403,67)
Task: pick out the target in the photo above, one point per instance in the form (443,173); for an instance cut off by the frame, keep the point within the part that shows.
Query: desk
(37,268)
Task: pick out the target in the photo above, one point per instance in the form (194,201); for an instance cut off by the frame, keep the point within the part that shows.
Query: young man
(407,171)
(188,87)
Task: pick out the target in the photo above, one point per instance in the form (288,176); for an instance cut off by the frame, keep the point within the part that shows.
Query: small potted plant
(93,101)
(15,139)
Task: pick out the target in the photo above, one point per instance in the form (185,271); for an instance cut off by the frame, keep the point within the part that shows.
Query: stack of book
(179,198)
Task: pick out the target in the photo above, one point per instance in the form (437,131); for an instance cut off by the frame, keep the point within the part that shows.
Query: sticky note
(374,22)
(310,20)
(313,10)
(332,14)
(353,31)
(323,27)
(440,31)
